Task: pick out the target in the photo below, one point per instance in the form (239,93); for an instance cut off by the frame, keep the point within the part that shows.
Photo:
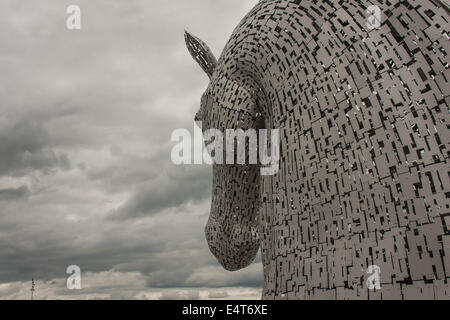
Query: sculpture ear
(201,53)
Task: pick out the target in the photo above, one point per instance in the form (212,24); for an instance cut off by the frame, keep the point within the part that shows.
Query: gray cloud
(85,172)
(25,147)
(13,194)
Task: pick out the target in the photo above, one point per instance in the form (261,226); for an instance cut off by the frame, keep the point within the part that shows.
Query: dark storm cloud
(170,189)
(85,124)
(218,295)
(180,296)
(25,147)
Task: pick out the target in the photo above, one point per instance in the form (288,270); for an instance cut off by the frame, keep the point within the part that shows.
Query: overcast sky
(85,172)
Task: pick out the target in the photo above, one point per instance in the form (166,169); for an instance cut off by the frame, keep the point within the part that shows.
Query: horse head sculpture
(359,208)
